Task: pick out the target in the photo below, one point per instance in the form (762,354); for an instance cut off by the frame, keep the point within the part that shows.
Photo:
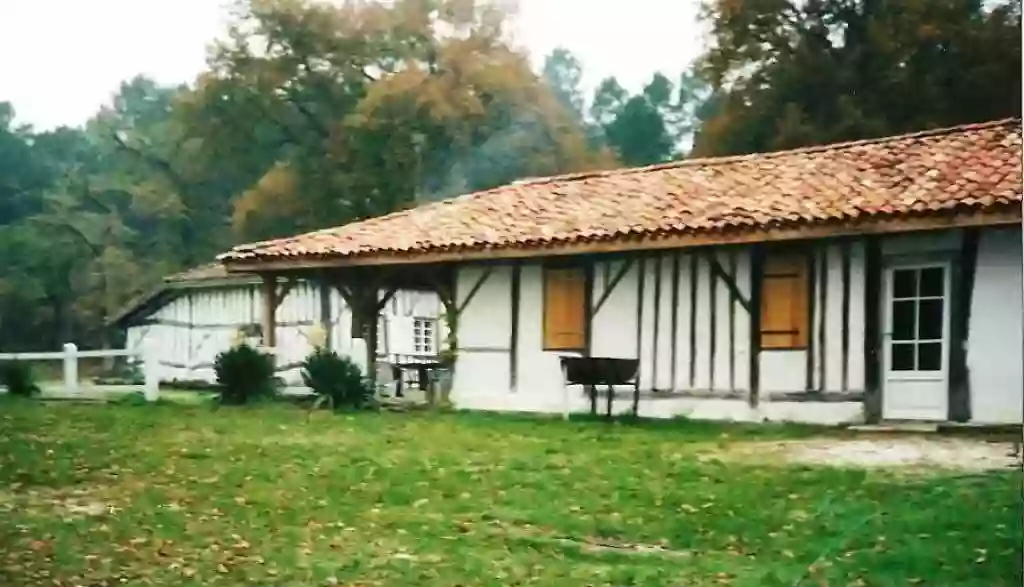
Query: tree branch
(163,165)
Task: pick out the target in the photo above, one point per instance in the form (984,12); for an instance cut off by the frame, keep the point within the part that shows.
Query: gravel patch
(945,453)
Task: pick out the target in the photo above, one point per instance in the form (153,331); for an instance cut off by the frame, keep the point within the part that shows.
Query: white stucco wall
(786,370)
(194,327)
(995,347)
(722,369)
(718,362)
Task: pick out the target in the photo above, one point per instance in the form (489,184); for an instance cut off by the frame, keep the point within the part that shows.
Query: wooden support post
(269,315)
(964,269)
(756,282)
(872,329)
(372,322)
(366,305)
(446,287)
(513,353)
(325,311)
(640,282)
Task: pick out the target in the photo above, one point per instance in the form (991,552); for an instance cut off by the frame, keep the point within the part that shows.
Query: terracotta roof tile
(971,166)
(205,272)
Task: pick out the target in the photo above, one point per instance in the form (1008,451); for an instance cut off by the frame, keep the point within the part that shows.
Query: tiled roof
(200,276)
(207,272)
(976,166)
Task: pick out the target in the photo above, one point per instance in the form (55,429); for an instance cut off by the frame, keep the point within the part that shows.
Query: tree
(85,223)
(40,261)
(563,73)
(359,110)
(787,73)
(21,173)
(180,199)
(652,126)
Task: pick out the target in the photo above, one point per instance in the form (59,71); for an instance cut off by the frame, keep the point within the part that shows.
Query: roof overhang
(876,224)
(147,303)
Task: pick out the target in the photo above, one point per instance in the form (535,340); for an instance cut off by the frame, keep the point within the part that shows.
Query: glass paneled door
(916,335)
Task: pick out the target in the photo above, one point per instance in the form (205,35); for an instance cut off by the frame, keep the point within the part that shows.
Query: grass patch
(180,495)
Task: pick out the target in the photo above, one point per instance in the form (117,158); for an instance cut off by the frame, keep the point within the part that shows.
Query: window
(564,316)
(917,319)
(784,301)
(423,331)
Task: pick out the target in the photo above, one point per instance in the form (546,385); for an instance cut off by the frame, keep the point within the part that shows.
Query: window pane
(932,281)
(903,320)
(929,356)
(929,319)
(902,357)
(904,283)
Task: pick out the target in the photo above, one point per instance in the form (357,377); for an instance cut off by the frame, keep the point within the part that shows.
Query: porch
(367,291)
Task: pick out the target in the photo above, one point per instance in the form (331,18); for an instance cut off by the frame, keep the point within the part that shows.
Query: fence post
(71,368)
(150,370)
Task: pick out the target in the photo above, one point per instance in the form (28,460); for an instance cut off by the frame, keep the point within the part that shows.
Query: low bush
(244,374)
(136,398)
(17,377)
(336,380)
(192,385)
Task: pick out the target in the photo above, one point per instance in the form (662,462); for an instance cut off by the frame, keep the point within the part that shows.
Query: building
(871,280)
(199,313)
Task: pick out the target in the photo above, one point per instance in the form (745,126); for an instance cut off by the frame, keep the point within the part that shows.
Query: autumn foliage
(370,107)
(313,113)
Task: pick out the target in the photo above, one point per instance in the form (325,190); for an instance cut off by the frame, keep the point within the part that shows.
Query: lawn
(182,495)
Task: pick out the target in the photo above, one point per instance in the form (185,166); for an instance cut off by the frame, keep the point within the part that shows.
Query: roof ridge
(726,159)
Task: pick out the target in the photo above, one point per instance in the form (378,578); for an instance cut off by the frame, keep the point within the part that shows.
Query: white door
(916,335)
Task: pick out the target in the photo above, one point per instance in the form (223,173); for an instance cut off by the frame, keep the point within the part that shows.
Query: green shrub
(335,380)
(243,374)
(136,398)
(17,377)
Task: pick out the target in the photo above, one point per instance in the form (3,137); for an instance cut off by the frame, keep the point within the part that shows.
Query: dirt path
(930,452)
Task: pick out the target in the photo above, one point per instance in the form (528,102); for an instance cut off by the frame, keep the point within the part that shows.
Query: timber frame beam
(273,294)
(268,314)
(730,283)
(284,289)
(610,286)
(476,288)
(360,288)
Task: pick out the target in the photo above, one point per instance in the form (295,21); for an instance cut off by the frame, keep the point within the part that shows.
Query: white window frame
(890,297)
(424,335)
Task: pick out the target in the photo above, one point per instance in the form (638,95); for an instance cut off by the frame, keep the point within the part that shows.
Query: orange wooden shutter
(784,296)
(564,317)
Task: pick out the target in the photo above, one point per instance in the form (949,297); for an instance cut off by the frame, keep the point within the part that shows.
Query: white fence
(147,354)
(70,356)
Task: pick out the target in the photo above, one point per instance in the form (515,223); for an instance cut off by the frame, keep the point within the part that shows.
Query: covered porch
(367,290)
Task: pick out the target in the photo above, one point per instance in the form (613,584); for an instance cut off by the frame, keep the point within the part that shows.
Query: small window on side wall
(423,335)
(564,303)
(785,292)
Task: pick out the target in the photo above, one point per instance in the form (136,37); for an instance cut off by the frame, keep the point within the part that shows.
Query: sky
(62,59)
